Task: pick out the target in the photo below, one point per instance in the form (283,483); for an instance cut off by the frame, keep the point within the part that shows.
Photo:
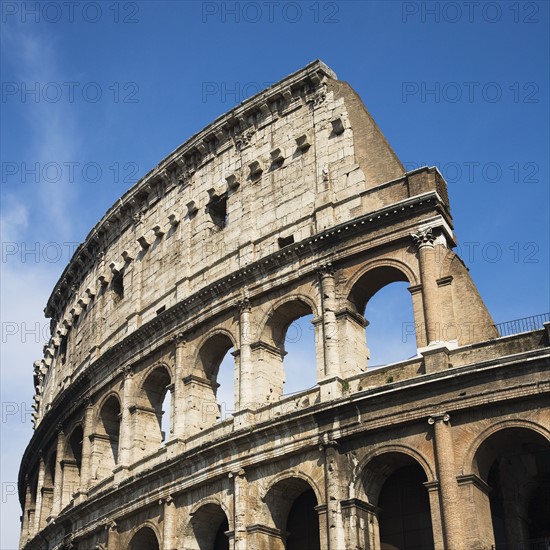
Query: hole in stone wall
(217,208)
(286,241)
(63,349)
(117,286)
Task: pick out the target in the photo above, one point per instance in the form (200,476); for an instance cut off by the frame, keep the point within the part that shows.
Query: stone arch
(29,506)
(210,500)
(294,475)
(393,480)
(105,440)
(203,383)
(49,475)
(395,449)
(366,282)
(73,443)
(156,382)
(270,349)
(144,537)
(395,270)
(512,460)
(50,458)
(72,462)
(291,503)
(207,357)
(468,466)
(208,526)
(276,304)
(101,403)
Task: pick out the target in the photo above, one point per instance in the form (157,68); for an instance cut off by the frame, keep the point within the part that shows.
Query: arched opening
(166,428)
(288,350)
(213,384)
(291,504)
(391,330)
(225,392)
(29,511)
(300,359)
(515,463)
(75,446)
(381,295)
(394,483)
(207,529)
(72,462)
(47,489)
(144,539)
(151,415)
(106,438)
(302,524)
(404,518)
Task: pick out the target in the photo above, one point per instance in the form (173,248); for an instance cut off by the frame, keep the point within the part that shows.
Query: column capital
(179,339)
(424,237)
(59,429)
(244,304)
(111,526)
(439,417)
(236,474)
(127,371)
(326,270)
(166,500)
(327,441)
(88,402)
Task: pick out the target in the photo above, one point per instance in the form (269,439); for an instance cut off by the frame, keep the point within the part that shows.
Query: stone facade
(291,204)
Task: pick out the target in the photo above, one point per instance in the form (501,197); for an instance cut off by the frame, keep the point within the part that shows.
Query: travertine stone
(291,204)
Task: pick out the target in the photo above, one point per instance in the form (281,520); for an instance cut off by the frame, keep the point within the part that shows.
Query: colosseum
(291,204)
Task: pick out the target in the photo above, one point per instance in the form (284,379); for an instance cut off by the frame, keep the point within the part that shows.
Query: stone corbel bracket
(256,169)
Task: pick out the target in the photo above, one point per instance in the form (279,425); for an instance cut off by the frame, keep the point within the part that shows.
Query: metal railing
(526,324)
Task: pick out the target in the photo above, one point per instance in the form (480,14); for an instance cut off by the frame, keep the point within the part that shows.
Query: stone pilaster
(58,482)
(27,523)
(86,447)
(112,536)
(169,524)
(333,483)
(40,486)
(331,380)
(424,241)
(126,437)
(360,521)
(240,503)
(448,485)
(178,400)
(330,326)
(244,389)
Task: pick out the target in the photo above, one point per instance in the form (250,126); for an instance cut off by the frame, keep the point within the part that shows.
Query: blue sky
(96,95)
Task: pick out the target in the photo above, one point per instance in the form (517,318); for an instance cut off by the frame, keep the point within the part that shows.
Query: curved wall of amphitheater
(291,204)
